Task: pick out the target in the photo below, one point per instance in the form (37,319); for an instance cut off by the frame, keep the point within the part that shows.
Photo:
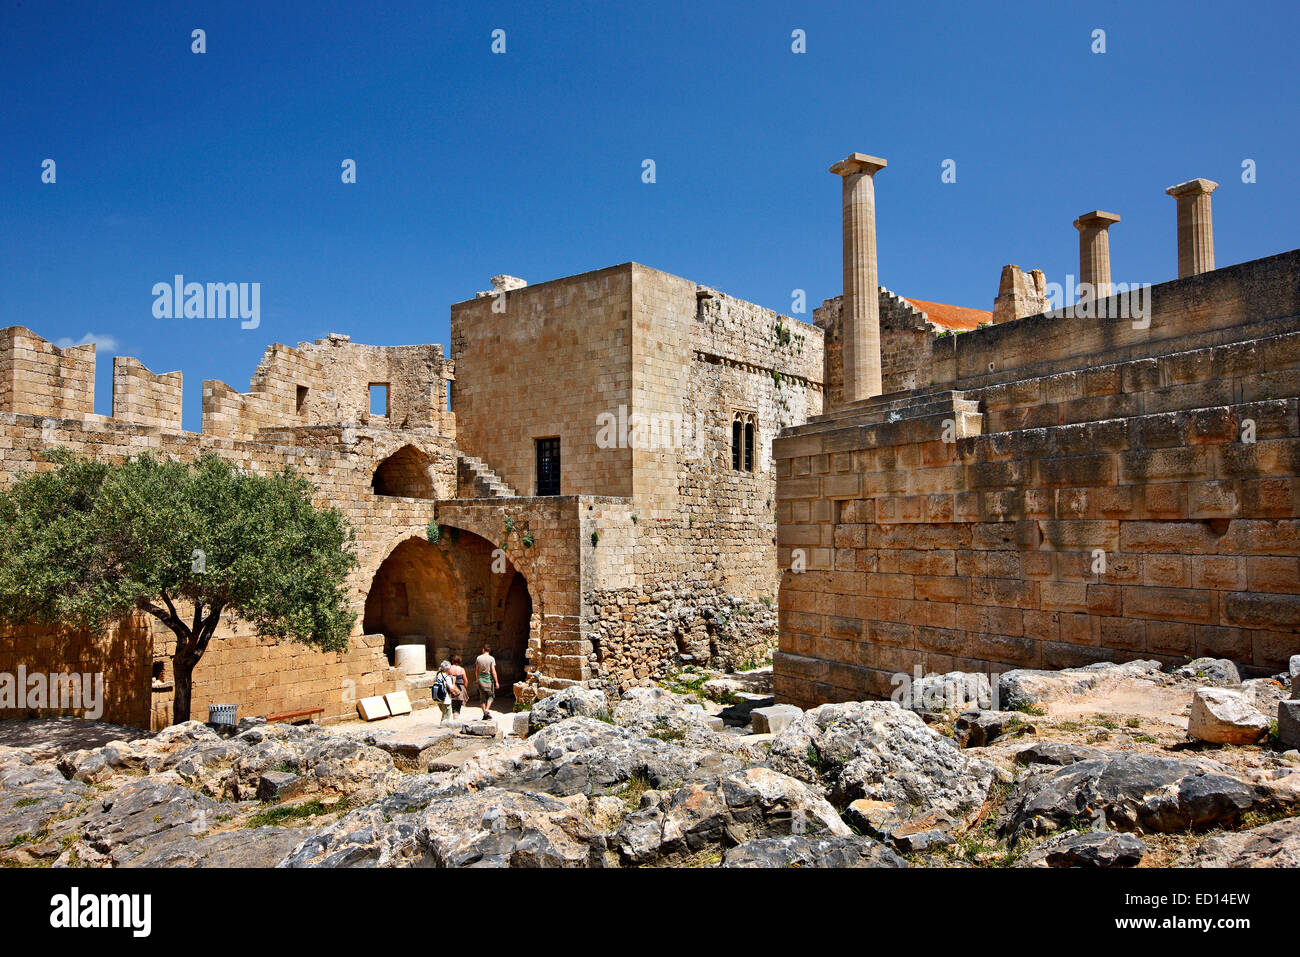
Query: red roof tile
(951,317)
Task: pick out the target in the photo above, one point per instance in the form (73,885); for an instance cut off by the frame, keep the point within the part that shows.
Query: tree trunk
(183,685)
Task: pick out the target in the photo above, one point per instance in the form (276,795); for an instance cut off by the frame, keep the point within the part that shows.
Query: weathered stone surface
(1210,672)
(1270,845)
(975,729)
(1056,753)
(278,786)
(802,850)
(424,826)
(883,753)
(954,691)
(1092,849)
(1134,792)
(1224,716)
(1264,694)
(1025,689)
(577,700)
(710,816)
(585,756)
(1288,723)
(774,719)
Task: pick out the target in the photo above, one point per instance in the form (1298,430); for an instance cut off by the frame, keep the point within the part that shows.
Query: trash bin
(222,713)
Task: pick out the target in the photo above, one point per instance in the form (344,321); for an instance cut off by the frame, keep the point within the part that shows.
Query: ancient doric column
(861,312)
(1094,253)
(1195,227)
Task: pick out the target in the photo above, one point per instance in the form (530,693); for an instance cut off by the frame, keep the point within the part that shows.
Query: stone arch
(453,596)
(408,473)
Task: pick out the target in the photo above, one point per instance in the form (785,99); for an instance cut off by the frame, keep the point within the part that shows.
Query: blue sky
(225,166)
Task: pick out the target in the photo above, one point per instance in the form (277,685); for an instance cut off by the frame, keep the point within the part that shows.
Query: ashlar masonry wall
(1079,490)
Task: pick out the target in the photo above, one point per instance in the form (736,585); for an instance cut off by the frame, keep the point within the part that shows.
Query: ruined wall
(907,343)
(338,459)
(146,398)
(39,378)
(328,381)
(1106,492)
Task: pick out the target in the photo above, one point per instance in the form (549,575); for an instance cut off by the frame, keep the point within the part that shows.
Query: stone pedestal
(410,659)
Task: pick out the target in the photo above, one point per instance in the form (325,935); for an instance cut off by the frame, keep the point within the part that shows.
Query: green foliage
(527,539)
(510,524)
(595,539)
(90,542)
(433,532)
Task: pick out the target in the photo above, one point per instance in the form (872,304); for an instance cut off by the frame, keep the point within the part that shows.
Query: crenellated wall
(146,398)
(39,378)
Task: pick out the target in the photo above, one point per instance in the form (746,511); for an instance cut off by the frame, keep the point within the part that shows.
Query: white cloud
(105,343)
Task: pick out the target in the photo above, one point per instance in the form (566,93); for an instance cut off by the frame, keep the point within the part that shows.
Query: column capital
(858,163)
(1192,187)
(1097,219)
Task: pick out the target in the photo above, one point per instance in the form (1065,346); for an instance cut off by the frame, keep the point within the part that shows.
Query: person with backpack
(443,688)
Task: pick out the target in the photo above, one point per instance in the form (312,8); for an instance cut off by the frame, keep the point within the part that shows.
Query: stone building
(593,464)
(592,481)
(1111,480)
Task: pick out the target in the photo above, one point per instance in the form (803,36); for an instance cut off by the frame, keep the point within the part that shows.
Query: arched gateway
(452,596)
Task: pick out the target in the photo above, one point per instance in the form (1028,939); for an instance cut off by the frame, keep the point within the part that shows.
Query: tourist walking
(460,693)
(443,686)
(485,672)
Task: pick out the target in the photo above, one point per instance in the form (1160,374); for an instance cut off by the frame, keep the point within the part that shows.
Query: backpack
(439,688)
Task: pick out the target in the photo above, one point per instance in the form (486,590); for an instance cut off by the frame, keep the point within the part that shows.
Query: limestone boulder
(1022,689)
(1225,716)
(457,828)
(802,850)
(707,817)
(568,703)
(1270,845)
(1056,753)
(586,756)
(1089,849)
(917,780)
(1132,792)
(1210,672)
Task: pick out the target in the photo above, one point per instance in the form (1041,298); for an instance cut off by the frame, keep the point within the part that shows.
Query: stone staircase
(474,479)
(895,407)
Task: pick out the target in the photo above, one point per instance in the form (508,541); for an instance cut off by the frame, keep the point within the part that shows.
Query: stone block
(1288,723)
(1224,716)
(774,718)
(398,702)
(373,708)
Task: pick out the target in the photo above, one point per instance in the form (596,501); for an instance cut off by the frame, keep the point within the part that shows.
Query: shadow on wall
(408,473)
(452,597)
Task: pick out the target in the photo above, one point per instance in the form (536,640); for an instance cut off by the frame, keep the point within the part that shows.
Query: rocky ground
(1091,767)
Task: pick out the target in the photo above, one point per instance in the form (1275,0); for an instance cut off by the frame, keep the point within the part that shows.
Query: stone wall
(907,342)
(556,358)
(1089,490)
(39,378)
(146,398)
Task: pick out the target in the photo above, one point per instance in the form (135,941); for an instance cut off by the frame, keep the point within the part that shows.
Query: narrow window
(749,446)
(548,466)
(379,398)
(302,399)
(736,441)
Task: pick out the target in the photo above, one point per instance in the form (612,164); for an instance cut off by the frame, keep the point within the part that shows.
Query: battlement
(39,378)
(325,382)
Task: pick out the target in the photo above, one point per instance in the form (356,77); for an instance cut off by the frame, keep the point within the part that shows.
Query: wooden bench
(301,716)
